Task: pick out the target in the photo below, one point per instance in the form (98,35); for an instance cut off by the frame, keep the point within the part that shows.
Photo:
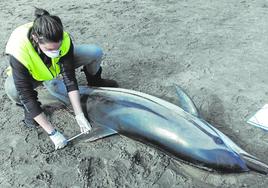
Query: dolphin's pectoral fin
(99,132)
(185,102)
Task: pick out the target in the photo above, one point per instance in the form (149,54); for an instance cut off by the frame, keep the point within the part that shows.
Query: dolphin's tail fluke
(255,164)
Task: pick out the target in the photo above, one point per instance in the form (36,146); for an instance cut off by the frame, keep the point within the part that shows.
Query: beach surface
(217,51)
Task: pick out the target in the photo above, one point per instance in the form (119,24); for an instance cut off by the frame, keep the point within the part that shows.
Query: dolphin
(179,131)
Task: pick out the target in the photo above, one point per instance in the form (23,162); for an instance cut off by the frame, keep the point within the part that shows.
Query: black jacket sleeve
(24,84)
(68,70)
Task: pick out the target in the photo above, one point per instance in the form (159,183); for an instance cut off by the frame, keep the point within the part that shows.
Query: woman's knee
(89,52)
(97,52)
(11,90)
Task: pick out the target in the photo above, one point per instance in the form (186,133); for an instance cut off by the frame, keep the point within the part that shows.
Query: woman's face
(51,49)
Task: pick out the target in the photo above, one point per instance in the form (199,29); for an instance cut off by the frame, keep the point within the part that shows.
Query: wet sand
(215,50)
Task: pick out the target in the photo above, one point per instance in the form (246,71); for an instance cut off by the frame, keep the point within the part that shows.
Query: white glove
(83,123)
(58,139)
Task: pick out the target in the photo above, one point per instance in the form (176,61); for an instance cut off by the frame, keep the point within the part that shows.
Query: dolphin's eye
(218,140)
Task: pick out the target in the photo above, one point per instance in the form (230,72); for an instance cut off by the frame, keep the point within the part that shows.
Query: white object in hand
(58,139)
(83,123)
(74,137)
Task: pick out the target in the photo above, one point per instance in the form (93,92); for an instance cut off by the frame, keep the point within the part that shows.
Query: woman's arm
(75,101)
(68,73)
(28,97)
(41,119)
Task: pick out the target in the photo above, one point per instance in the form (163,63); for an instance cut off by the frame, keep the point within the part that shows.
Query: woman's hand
(83,123)
(58,139)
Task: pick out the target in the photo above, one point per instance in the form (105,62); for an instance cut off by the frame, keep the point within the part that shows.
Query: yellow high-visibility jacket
(21,48)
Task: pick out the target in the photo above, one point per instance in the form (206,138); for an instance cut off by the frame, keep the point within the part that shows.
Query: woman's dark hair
(46,27)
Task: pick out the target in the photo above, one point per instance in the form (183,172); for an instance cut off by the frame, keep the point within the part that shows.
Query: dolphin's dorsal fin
(185,102)
(99,132)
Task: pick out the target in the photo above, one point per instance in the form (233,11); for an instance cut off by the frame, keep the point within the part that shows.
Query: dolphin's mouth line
(216,139)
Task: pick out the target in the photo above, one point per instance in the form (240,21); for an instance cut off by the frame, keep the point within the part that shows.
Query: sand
(215,50)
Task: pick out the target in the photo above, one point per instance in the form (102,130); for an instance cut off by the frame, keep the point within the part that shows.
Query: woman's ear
(35,38)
